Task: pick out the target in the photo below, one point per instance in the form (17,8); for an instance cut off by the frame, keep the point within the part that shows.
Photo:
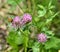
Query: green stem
(34,7)
(19,6)
(25,40)
(49,50)
(26,43)
(29,5)
(25,49)
(41,47)
(22,33)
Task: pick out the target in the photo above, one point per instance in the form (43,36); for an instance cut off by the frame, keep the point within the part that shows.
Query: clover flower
(26,18)
(16,22)
(42,37)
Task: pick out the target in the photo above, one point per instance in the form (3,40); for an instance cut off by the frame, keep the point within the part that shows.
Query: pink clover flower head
(42,38)
(16,21)
(26,18)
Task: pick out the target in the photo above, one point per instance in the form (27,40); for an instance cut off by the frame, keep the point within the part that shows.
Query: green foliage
(46,10)
(15,38)
(26,39)
(41,12)
(35,47)
(52,43)
(42,22)
(14,2)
